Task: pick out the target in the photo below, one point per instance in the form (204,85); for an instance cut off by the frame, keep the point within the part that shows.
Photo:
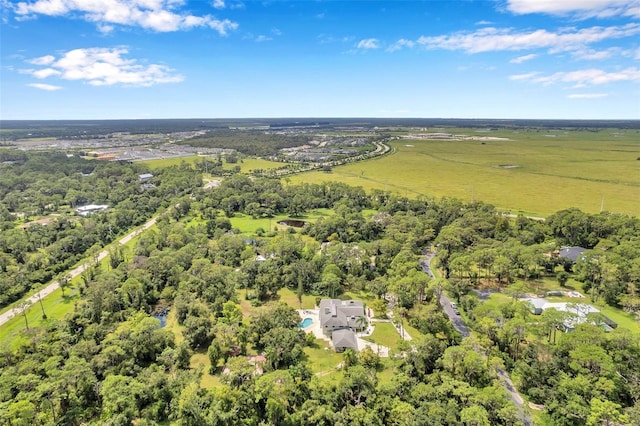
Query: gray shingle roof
(572,253)
(344,338)
(340,313)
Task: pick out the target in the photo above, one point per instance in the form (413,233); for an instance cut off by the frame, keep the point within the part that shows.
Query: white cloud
(42,60)
(400,44)
(521,59)
(222,27)
(44,73)
(42,86)
(495,39)
(105,67)
(578,8)
(483,22)
(526,76)
(368,43)
(155,15)
(261,38)
(596,55)
(587,95)
(581,78)
(218,4)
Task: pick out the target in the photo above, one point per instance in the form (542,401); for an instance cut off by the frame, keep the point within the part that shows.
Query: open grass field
(385,334)
(248,225)
(13,332)
(168,162)
(322,358)
(248,165)
(534,172)
(291,298)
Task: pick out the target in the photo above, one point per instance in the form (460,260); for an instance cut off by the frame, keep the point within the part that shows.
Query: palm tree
(22,308)
(349,358)
(44,315)
(361,323)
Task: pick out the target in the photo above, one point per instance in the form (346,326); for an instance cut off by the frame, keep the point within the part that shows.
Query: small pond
(305,323)
(293,222)
(162,319)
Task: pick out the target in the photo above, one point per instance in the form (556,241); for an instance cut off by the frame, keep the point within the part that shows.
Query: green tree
(562,278)
(474,415)
(605,413)
(121,396)
(214,352)
(231,313)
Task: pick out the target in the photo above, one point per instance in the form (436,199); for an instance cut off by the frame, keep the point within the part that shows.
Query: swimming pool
(305,323)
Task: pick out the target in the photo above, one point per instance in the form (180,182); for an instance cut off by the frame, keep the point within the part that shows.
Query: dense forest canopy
(110,362)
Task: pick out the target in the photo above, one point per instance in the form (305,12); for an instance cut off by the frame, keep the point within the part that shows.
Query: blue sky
(107,59)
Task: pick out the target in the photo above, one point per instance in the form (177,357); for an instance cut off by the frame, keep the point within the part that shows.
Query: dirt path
(6,316)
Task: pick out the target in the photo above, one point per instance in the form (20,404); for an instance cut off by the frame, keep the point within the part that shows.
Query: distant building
(145,176)
(579,312)
(91,208)
(147,186)
(571,253)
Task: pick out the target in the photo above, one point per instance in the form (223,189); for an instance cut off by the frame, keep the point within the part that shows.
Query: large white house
(340,320)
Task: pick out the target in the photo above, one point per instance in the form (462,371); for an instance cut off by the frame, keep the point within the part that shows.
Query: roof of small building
(572,253)
(537,302)
(344,338)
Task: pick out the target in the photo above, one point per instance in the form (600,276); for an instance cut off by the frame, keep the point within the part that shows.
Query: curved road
(461,327)
(6,316)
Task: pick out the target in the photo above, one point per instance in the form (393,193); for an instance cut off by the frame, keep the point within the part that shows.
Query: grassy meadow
(247,165)
(533,173)
(160,163)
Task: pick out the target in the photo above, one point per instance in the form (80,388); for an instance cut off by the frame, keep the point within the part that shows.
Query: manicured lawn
(175,161)
(291,298)
(623,319)
(248,225)
(55,307)
(248,165)
(322,358)
(385,334)
(413,332)
(533,173)
(498,299)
